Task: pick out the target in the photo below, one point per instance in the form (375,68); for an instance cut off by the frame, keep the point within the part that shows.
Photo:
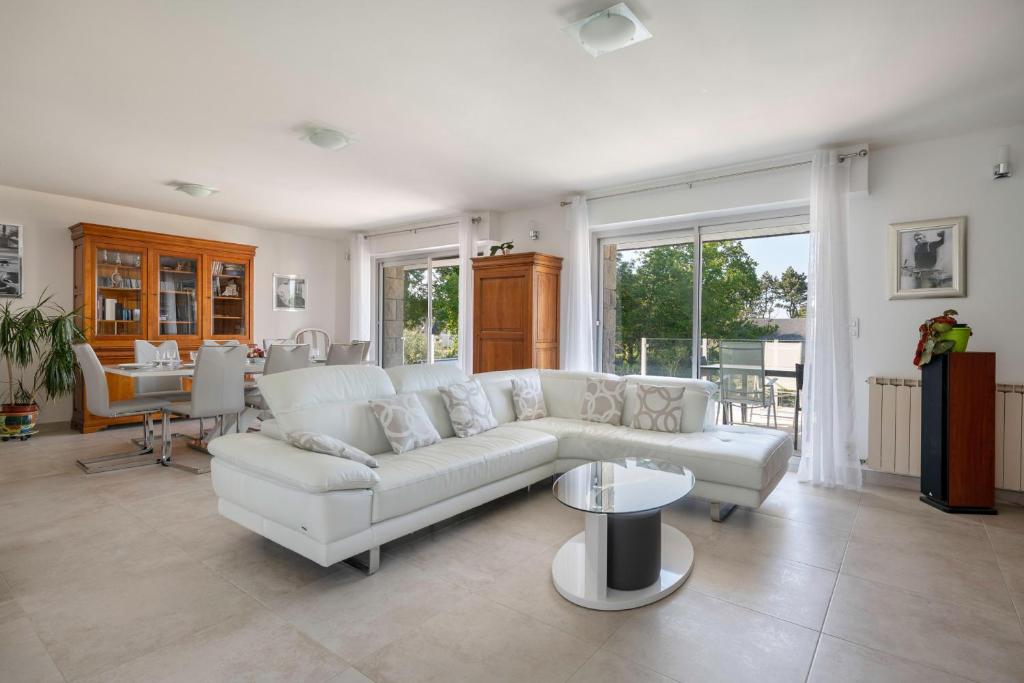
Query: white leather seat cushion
(747,457)
(699,400)
(413,480)
(280,462)
(423,380)
(564,390)
(330,400)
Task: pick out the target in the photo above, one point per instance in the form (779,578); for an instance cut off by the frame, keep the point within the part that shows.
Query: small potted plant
(505,248)
(939,335)
(39,335)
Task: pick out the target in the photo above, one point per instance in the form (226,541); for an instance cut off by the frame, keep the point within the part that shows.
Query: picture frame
(928,259)
(291,292)
(11,250)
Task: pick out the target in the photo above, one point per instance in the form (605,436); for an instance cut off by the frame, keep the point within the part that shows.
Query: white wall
(48,259)
(935,179)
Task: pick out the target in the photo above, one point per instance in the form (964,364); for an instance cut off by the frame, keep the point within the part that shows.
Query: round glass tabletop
(623,485)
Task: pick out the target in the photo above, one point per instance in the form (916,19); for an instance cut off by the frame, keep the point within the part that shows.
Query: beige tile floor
(132,576)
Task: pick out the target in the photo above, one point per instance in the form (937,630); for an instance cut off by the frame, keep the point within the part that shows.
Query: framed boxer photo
(927,259)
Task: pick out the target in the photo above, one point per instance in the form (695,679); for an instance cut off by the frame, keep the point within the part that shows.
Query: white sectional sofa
(330,509)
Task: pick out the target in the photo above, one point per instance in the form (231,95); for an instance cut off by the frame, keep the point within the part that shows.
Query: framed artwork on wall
(10,260)
(927,259)
(290,292)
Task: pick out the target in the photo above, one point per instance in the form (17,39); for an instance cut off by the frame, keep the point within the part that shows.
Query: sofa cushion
(498,387)
(416,479)
(424,380)
(328,445)
(272,429)
(564,389)
(468,408)
(528,398)
(330,400)
(405,422)
(578,439)
(290,466)
(659,409)
(603,400)
(699,401)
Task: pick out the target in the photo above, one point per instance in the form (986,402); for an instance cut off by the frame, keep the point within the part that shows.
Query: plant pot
(18,421)
(959,335)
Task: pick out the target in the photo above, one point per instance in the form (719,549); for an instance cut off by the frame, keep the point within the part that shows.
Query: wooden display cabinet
(133,284)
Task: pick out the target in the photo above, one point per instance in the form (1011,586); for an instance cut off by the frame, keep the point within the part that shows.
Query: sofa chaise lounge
(330,509)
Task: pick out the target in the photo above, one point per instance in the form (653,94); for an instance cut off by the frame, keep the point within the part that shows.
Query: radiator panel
(894,429)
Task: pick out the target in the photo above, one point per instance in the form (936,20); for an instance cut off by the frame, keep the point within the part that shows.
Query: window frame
(427,261)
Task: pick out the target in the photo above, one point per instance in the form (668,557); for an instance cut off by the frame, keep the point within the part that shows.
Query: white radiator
(894,429)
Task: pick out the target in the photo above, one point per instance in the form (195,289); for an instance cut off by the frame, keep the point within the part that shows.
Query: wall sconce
(1002,167)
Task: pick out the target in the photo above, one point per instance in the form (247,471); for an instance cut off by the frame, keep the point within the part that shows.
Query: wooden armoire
(134,284)
(516,311)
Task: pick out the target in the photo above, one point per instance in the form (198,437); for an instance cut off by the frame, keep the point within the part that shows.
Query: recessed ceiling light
(327,138)
(608,30)
(196,190)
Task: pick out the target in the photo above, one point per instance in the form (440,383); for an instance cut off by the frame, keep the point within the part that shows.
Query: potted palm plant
(41,336)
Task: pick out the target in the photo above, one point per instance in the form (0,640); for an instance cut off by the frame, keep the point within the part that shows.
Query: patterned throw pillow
(658,409)
(468,408)
(324,443)
(528,398)
(405,422)
(603,400)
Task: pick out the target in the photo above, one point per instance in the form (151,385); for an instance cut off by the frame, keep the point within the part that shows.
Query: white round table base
(569,572)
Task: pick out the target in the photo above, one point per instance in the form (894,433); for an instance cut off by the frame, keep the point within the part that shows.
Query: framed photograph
(290,293)
(10,240)
(928,259)
(10,276)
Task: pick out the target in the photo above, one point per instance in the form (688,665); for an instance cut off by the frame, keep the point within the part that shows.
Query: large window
(725,303)
(419,311)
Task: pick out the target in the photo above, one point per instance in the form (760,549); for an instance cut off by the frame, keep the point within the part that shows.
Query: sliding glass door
(724,303)
(419,311)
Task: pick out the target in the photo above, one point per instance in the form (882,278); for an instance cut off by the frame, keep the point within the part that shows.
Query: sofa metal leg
(719,511)
(369,561)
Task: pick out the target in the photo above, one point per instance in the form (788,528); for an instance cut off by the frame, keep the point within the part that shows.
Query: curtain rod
(474,220)
(691,183)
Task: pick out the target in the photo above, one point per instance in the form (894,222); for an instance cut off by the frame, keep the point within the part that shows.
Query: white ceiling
(468,104)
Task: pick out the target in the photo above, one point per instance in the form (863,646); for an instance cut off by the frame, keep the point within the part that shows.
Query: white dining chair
(346,354)
(216,391)
(226,342)
(280,358)
(268,342)
(169,388)
(366,348)
(319,341)
(97,400)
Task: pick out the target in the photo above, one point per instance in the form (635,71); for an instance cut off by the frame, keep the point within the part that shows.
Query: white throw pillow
(528,398)
(405,422)
(603,400)
(468,408)
(658,409)
(327,444)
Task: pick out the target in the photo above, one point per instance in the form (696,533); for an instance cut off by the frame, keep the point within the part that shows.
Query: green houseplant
(40,335)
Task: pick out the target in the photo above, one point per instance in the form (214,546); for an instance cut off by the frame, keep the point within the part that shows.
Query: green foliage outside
(445,309)
(655,300)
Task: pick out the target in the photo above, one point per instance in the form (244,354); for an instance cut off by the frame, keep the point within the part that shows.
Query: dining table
(252,366)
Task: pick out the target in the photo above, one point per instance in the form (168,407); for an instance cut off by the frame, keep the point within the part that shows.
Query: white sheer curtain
(578,332)
(467,250)
(827,456)
(360,289)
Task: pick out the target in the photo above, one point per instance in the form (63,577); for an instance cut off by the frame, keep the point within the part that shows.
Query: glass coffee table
(625,557)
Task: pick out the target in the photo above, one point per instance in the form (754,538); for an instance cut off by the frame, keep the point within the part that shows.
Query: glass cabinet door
(178,311)
(119,283)
(228,295)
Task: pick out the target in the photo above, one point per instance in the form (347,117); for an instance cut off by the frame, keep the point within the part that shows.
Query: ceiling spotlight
(196,190)
(327,138)
(609,30)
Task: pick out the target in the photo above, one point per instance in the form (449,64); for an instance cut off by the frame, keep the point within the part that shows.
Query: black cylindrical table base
(634,550)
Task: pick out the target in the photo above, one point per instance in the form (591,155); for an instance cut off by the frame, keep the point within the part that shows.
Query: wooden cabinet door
(176,302)
(117,285)
(228,293)
(502,312)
